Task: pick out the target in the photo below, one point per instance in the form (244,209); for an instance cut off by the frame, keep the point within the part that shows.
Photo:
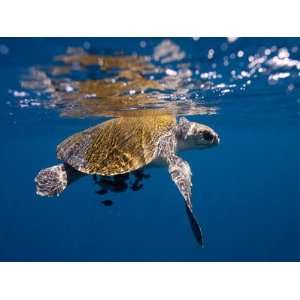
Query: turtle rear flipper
(51,181)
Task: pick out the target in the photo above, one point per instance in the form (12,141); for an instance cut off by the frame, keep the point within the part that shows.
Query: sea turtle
(125,144)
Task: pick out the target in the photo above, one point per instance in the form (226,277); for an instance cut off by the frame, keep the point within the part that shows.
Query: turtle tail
(52,181)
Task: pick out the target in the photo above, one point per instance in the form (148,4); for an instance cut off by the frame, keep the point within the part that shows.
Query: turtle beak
(217,139)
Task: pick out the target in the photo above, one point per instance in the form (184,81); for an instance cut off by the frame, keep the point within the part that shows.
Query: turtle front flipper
(181,174)
(52,181)
(195,226)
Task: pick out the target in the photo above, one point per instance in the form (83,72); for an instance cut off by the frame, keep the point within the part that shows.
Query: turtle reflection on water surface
(126,144)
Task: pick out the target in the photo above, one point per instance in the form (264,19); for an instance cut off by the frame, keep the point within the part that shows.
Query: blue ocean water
(245,191)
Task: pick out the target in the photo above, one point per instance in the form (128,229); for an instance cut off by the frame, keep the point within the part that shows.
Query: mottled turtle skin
(116,146)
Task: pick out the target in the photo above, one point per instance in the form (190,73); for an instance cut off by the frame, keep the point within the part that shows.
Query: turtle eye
(208,136)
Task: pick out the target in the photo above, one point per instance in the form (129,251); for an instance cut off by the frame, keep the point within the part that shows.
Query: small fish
(107,202)
(137,186)
(102,192)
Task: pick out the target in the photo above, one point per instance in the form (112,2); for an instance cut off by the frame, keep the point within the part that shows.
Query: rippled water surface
(245,191)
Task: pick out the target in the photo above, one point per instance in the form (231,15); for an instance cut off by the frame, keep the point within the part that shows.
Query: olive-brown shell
(116,146)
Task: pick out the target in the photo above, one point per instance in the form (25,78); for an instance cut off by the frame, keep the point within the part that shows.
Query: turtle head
(196,135)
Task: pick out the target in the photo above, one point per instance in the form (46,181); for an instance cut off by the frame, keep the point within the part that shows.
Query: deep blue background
(245,191)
